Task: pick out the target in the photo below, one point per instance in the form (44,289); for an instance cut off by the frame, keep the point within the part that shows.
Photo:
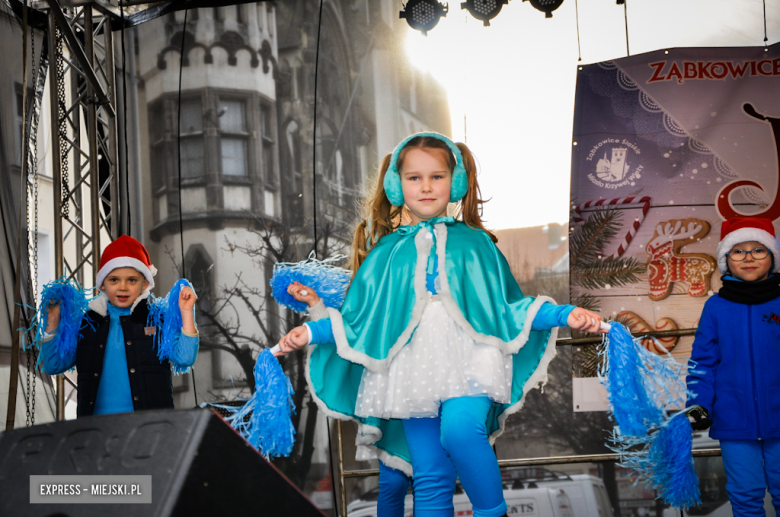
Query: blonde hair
(380,217)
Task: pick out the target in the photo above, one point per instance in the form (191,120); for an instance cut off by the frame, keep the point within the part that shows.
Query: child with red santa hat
(735,378)
(118,367)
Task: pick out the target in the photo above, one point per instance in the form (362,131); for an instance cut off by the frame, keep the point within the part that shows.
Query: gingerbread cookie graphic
(667,265)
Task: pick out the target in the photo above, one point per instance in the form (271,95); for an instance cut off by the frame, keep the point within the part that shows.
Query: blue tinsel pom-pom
(640,383)
(664,460)
(165,316)
(268,427)
(328,281)
(74,304)
(642,388)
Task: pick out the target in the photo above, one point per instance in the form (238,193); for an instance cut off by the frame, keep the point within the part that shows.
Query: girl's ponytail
(470,208)
(380,217)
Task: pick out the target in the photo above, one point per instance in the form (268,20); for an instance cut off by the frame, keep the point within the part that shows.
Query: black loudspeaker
(199,466)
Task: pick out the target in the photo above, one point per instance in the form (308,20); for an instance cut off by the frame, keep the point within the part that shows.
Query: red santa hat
(126,252)
(743,229)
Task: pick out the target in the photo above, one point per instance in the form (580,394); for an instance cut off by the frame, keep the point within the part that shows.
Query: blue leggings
(752,467)
(450,446)
(393,486)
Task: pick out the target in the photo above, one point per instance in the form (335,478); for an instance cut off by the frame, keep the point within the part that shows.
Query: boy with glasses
(736,377)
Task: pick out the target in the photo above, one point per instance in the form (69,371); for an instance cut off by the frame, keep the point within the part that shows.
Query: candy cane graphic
(615,202)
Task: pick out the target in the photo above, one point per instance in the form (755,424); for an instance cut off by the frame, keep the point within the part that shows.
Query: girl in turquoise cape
(435,345)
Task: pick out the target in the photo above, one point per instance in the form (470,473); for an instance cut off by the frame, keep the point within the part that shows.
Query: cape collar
(99,303)
(428,225)
(412,230)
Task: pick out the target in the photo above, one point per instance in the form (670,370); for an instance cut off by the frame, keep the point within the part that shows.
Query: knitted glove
(699,418)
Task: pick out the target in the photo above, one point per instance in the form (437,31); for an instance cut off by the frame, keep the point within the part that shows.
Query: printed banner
(666,145)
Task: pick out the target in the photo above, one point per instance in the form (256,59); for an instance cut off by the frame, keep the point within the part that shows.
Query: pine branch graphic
(609,271)
(590,268)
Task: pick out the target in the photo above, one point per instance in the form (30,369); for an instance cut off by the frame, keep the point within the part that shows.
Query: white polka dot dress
(441,362)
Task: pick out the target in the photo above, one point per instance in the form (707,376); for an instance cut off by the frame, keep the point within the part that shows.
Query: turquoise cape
(384,305)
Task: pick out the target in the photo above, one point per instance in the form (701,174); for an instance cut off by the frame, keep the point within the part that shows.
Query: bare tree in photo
(222,327)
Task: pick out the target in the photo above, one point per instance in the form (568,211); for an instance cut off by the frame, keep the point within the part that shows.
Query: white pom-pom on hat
(126,252)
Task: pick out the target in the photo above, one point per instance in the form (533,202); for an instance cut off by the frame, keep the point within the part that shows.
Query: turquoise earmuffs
(392,182)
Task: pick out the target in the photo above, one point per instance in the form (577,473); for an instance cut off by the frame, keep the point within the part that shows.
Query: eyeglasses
(740,255)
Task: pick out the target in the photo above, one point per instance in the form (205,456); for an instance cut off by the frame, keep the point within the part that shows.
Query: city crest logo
(615,163)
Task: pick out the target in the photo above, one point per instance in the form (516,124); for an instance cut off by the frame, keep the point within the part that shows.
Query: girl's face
(750,269)
(425,181)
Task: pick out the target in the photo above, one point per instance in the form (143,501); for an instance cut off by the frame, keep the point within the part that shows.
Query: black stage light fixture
(423,15)
(546,6)
(484,10)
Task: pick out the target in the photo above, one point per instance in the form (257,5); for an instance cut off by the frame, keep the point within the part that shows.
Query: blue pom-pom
(165,316)
(642,387)
(74,304)
(323,276)
(639,383)
(265,420)
(664,460)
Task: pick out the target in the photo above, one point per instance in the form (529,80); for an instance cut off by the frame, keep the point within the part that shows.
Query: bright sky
(514,82)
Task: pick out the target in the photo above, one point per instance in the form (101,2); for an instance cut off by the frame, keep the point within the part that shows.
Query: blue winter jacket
(737,377)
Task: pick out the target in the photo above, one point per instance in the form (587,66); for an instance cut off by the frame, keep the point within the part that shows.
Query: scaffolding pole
(84,147)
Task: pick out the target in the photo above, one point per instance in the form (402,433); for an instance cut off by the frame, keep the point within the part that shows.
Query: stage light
(484,10)
(423,15)
(546,6)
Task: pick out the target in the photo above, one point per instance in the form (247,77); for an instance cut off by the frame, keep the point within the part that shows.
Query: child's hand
(53,316)
(295,339)
(303,294)
(187,299)
(585,320)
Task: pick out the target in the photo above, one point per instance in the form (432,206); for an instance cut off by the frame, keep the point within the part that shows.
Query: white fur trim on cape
(510,347)
(421,295)
(99,304)
(320,403)
(370,452)
(367,435)
(118,262)
(745,235)
(539,377)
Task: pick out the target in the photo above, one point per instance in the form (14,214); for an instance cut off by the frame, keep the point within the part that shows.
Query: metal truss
(85,150)
(85,153)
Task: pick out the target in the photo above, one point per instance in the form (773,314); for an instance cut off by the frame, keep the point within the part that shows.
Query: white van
(587,494)
(523,497)
(537,502)
(529,502)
